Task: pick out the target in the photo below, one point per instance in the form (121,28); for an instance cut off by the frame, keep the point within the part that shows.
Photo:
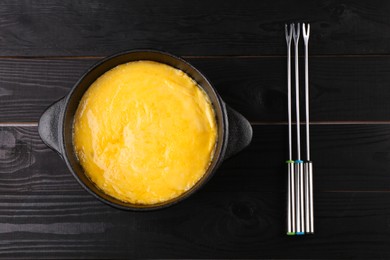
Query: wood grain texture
(73,28)
(36,85)
(342,89)
(208,225)
(44,213)
(47,45)
(346,158)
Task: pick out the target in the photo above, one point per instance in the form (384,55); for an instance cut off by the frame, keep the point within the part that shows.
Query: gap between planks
(326,123)
(264,123)
(97,57)
(18,124)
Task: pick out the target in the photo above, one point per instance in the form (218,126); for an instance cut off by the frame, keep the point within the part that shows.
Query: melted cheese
(144,132)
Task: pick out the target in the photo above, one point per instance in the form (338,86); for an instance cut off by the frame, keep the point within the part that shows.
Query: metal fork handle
(290,199)
(309,211)
(299,201)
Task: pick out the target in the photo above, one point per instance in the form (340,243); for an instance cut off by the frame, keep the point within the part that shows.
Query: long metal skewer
(298,163)
(305,35)
(290,163)
(308,165)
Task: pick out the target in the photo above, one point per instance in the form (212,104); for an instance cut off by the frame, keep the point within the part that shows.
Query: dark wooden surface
(45,46)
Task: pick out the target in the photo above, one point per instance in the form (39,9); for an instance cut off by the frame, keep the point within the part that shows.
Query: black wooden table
(45,46)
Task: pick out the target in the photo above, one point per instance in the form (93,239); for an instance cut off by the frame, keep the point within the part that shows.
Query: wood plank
(342,89)
(346,158)
(209,225)
(34,85)
(63,28)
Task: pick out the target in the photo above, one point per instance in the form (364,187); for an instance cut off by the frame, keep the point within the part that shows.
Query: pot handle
(49,128)
(240,133)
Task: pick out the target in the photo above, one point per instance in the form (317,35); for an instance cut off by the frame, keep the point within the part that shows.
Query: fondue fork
(290,163)
(308,165)
(298,171)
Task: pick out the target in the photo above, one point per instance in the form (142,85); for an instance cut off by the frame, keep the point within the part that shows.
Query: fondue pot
(56,124)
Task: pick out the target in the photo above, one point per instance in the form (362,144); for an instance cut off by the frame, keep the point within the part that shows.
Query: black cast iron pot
(55,125)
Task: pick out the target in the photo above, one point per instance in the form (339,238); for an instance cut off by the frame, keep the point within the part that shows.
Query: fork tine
(288,33)
(296,31)
(306,32)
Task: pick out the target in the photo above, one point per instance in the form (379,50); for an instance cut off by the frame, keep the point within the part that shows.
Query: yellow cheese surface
(144,132)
